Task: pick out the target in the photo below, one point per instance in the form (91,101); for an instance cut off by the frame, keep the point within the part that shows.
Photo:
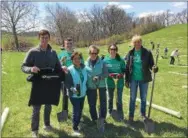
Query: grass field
(168,93)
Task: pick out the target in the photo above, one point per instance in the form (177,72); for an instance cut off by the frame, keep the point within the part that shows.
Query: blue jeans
(78,104)
(92,100)
(119,103)
(143,86)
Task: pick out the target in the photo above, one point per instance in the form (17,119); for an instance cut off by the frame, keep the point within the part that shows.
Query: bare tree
(117,21)
(18,17)
(182,16)
(63,19)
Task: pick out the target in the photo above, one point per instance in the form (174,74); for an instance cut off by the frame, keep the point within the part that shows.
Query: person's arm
(123,66)
(127,71)
(28,63)
(58,64)
(58,68)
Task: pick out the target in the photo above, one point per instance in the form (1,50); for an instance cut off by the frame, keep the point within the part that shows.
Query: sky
(140,9)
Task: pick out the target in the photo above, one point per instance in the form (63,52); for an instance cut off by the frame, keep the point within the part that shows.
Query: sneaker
(48,128)
(76,133)
(34,134)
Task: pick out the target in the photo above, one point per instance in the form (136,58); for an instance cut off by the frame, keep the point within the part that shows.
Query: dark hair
(68,39)
(117,55)
(76,53)
(43,32)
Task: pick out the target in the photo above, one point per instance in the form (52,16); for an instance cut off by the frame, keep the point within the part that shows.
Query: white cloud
(113,3)
(125,6)
(122,6)
(145,14)
(179,4)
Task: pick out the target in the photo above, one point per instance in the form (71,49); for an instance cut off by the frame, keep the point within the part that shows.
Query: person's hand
(63,59)
(110,75)
(35,69)
(155,69)
(127,84)
(65,69)
(96,78)
(119,76)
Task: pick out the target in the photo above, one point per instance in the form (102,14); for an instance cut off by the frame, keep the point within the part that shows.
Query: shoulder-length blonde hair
(136,38)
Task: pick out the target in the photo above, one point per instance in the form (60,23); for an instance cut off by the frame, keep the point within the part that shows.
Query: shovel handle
(153,82)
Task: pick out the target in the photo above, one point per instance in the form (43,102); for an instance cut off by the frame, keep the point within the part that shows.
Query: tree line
(97,25)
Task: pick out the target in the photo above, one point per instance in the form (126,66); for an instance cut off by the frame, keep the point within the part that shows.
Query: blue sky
(139,8)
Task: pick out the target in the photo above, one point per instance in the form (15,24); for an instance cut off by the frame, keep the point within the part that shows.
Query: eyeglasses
(93,53)
(113,49)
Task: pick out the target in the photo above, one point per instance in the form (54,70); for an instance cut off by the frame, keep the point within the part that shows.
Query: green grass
(168,93)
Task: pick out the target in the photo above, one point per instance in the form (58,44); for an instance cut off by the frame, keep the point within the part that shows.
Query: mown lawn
(168,93)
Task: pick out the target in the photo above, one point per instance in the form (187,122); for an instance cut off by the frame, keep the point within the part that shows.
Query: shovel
(101,125)
(149,123)
(115,114)
(62,116)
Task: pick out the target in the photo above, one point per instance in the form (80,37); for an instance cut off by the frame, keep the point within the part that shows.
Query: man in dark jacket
(46,76)
(138,73)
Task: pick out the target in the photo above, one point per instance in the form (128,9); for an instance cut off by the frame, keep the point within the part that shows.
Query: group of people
(83,79)
(173,55)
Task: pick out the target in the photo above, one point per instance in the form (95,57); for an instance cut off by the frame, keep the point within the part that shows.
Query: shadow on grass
(111,130)
(162,127)
(59,132)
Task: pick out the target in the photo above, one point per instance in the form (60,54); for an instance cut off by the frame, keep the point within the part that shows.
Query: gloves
(115,76)
(119,76)
(155,69)
(111,75)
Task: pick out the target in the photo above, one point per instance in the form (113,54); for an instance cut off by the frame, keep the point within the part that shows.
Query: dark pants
(172,60)
(78,104)
(92,100)
(118,99)
(65,98)
(133,94)
(36,116)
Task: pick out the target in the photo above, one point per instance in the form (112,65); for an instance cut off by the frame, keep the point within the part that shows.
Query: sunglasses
(93,53)
(76,58)
(113,49)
